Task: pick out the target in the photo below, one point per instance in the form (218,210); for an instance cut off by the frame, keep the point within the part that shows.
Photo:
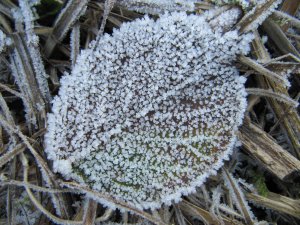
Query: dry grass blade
(75,43)
(28,84)
(244,208)
(5,23)
(48,176)
(5,10)
(10,193)
(278,36)
(277,202)
(292,20)
(107,8)
(8,3)
(119,204)
(204,215)
(290,120)
(90,212)
(63,23)
(11,154)
(266,151)
(290,7)
(32,47)
(25,140)
(6,88)
(115,21)
(271,94)
(1,141)
(105,216)
(18,149)
(44,31)
(36,203)
(33,187)
(179,216)
(9,207)
(248,21)
(5,110)
(22,50)
(259,48)
(263,71)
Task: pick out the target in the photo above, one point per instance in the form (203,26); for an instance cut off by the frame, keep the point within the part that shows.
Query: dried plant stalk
(277,202)
(238,196)
(271,94)
(262,70)
(278,36)
(90,212)
(64,21)
(265,150)
(253,18)
(203,214)
(120,204)
(290,120)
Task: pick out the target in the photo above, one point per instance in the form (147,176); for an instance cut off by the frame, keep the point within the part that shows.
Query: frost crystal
(152,111)
(249,4)
(244,3)
(158,6)
(33,43)
(4,41)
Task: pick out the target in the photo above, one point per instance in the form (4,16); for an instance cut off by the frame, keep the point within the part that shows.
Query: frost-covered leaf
(152,111)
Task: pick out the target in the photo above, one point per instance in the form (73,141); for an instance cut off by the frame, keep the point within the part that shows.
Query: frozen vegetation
(4,41)
(110,109)
(158,115)
(158,6)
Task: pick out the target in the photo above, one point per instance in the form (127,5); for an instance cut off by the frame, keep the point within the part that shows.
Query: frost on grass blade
(75,45)
(33,47)
(4,41)
(158,6)
(24,211)
(245,4)
(152,111)
(257,15)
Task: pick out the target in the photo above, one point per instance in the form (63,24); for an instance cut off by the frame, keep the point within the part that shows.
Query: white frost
(63,166)
(151,112)
(158,6)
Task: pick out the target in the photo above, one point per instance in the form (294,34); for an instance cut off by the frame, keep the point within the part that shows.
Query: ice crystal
(152,111)
(4,41)
(158,6)
(25,213)
(261,18)
(244,3)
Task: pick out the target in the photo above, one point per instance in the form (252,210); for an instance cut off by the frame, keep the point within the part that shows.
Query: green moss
(260,184)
